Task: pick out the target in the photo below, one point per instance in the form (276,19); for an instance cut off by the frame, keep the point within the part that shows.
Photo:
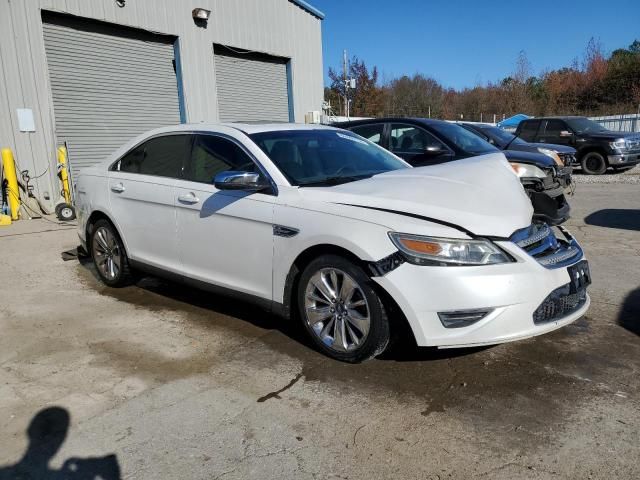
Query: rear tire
(109,255)
(593,163)
(341,311)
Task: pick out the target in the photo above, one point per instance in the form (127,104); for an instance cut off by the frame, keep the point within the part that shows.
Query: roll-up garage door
(251,86)
(109,84)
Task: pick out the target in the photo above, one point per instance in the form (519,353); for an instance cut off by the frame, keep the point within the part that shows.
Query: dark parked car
(597,148)
(508,141)
(422,141)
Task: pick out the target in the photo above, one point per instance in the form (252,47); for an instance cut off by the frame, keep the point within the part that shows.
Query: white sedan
(318,224)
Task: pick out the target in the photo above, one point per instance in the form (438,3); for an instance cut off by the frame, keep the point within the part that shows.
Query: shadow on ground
(530,383)
(624,219)
(171,295)
(629,316)
(47,432)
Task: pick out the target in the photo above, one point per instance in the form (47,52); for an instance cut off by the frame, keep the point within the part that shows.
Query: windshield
(462,138)
(324,157)
(501,137)
(583,125)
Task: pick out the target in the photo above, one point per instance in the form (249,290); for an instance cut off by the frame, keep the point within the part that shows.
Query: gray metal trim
(309,8)
(283,231)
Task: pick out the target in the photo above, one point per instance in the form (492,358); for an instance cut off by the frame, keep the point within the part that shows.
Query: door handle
(118,188)
(188,198)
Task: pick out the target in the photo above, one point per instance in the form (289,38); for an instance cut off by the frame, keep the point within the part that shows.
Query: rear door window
(161,157)
(528,130)
(373,133)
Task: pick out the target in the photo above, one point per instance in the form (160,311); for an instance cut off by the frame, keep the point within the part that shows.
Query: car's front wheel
(593,163)
(340,309)
(109,256)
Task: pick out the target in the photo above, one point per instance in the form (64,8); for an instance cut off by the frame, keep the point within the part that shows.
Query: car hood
(480,195)
(608,134)
(538,159)
(533,147)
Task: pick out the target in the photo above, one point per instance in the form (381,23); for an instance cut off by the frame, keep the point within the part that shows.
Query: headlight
(421,250)
(526,170)
(552,154)
(619,144)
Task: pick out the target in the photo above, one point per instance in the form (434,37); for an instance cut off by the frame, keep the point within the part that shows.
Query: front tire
(341,311)
(593,163)
(109,255)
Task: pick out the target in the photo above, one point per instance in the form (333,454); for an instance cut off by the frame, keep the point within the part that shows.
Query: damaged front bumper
(483,305)
(548,196)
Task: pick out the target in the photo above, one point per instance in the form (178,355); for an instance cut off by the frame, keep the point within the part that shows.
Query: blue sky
(462,43)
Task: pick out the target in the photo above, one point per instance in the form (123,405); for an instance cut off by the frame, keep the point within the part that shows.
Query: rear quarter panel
(91,195)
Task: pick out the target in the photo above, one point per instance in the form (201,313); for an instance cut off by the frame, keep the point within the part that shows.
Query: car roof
(558,117)
(247,128)
(418,120)
(275,127)
(478,124)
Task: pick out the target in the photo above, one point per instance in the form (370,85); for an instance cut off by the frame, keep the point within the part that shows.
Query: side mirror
(433,150)
(247,181)
(566,133)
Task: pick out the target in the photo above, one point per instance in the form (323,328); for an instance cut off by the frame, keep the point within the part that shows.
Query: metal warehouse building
(94,73)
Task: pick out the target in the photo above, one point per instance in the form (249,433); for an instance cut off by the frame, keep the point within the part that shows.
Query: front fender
(367,241)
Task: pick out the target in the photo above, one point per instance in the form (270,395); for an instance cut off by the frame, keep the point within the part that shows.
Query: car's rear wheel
(341,310)
(109,255)
(593,163)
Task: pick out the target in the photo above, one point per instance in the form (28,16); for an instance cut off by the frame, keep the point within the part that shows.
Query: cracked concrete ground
(178,383)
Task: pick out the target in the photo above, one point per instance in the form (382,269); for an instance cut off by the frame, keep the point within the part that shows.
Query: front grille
(560,303)
(633,142)
(540,241)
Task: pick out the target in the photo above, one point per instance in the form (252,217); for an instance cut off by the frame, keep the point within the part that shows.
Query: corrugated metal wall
(251,87)
(276,27)
(109,84)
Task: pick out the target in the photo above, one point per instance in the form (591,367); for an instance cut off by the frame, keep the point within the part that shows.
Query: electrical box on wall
(26,122)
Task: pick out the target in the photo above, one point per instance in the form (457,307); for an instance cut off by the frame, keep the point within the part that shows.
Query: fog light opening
(463,318)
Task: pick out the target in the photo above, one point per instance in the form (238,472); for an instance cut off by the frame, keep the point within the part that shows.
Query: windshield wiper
(337,180)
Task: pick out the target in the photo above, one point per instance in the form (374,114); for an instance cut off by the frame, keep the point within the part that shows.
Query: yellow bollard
(64,175)
(13,193)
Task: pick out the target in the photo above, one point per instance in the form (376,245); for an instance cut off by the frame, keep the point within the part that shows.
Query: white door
(141,190)
(225,237)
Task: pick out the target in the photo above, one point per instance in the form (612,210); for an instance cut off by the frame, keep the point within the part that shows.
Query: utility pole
(346,85)
(349,83)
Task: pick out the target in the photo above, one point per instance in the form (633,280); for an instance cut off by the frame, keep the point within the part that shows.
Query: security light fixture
(120,3)
(201,14)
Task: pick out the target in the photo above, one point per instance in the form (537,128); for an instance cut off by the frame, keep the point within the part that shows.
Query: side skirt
(268,305)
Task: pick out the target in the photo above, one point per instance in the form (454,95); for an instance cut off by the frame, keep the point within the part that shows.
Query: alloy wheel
(337,310)
(106,253)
